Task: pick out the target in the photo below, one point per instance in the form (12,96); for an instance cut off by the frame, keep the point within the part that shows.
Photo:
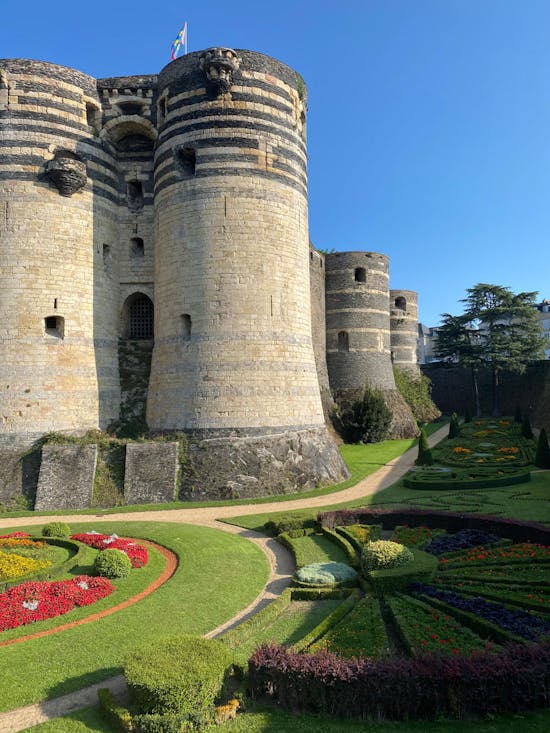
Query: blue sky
(428,126)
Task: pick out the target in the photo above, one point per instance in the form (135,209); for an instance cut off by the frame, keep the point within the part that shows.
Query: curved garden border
(423,687)
(169,570)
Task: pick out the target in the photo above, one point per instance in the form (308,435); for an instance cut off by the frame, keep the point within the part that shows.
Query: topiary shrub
(366,420)
(454,426)
(542,457)
(112,563)
(526,427)
(56,529)
(325,573)
(383,555)
(178,676)
(425,455)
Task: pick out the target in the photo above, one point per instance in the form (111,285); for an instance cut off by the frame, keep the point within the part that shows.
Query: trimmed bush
(421,569)
(113,713)
(56,529)
(288,523)
(178,676)
(425,456)
(542,457)
(526,430)
(112,563)
(454,427)
(383,555)
(366,420)
(325,573)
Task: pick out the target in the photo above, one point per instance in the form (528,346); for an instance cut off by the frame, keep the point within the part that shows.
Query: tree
(498,330)
(366,420)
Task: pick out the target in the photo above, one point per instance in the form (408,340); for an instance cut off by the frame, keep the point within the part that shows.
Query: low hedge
(421,569)
(249,628)
(329,621)
(286,523)
(343,543)
(54,571)
(177,676)
(372,532)
(384,555)
(288,540)
(320,594)
(469,588)
(114,714)
(454,480)
(426,687)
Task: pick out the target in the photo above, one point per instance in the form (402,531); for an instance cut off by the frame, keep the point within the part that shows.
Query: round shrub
(112,563)
(325,573)
(383,555)
(56,529)
(181,675)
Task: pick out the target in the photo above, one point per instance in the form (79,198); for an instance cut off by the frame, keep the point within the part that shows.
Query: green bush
(56,529)
(288,523)
(542,457)
(526,430)
(168,723)
(113,713)
(425,455)
(421,569)
(383,555)
(325,573)
(454,426)
(366,420)
(416,390)
(181,675)
(112,563)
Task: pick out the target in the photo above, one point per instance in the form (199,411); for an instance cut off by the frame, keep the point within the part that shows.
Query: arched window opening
(134,143)
(360,275)
(134,196)
(55,326)
(185,160)
(137,317)
(130,108)
(137,248)
(343,341)
(401,303)
(186,326)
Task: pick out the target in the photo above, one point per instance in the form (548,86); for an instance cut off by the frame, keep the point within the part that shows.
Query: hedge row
(329,621)
(459,480)
(355,542)
(421,569)
(398,688)
(517,531)
(500,594)
(344,544)
(249,628)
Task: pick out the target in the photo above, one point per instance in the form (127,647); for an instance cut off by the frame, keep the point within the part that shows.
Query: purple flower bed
(521,624)
(461,540)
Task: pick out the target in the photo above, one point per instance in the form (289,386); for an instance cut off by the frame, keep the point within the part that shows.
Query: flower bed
(35,601)
(531,597)
(13,566)
(427,631)
(415,536)
(464,539)
(136,552)
(531,574)
(508,554)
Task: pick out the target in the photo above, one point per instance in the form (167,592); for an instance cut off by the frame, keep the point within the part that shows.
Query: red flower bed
(136,552)
(14,534)
(36,601)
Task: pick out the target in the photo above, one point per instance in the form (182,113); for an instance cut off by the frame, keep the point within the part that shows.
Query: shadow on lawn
(84,693)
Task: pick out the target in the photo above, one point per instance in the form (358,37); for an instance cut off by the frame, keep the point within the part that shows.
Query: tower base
(271,463)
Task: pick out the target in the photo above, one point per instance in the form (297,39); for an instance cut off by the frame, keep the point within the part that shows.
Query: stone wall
(404,329)
(66,477)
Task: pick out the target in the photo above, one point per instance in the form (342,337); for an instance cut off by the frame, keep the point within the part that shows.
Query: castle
(171,211)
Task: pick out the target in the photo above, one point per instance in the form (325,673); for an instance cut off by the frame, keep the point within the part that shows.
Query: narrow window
(106,255)
(343,341)
(137,248)
(401,303)
(93,116)
(185,160)
(360,275)
(55,326)
(186,326)
(134,195)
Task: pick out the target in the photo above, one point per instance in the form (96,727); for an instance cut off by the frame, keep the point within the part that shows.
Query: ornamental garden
(406,608)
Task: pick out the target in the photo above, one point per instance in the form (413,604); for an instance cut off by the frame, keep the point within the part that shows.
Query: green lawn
(269,721)
(218,575)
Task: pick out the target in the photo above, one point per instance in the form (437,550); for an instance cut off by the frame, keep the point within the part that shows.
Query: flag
(181,40)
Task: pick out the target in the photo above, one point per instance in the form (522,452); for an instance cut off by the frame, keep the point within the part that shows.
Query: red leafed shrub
(36,601)
(137,553)
(398,688)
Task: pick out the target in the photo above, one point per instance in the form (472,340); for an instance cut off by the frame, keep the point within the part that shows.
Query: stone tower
(358,331)
(58,363)
(404,329)
(233,360)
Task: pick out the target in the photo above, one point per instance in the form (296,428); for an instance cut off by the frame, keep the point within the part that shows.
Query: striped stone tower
(233,358)
(404,329)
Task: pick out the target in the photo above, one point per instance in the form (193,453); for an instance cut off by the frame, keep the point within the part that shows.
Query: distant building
(427,338)
(543,309)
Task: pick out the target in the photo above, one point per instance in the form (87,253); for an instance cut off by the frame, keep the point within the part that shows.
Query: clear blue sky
(428,127)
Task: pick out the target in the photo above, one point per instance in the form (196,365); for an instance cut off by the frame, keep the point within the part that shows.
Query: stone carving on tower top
(219,64)
(67,172)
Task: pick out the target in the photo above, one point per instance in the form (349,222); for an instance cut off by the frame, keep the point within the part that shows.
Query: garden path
(280,560)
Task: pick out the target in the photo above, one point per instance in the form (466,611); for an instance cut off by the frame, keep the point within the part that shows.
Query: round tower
(358,332)
(54,221)
(404,328)
(233,350)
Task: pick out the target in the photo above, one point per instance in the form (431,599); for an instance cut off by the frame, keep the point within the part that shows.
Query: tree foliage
(498,330)
(366,420)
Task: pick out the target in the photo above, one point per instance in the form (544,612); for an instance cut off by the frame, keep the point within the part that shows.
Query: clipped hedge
(112,563)
(180,675)
(421,569)
(358,534)
(426,687)
(117,716)
(53,571)
(383,555)
(329,621)
(344,544)
(56,529)
(321,594)
(249,628)
(448,480)
(287,523)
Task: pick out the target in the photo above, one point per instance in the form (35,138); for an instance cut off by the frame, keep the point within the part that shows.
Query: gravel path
(280,560)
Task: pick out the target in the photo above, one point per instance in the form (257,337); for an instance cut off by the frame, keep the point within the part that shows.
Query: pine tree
(425,456)
(542,457)
(454,426)
(366,420)
(526,427)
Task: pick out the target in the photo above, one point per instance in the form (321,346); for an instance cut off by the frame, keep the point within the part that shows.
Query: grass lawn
(317,548)
(218,575)
(89,721)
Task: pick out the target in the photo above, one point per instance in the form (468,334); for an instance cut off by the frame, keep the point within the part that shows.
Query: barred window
(141,318)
